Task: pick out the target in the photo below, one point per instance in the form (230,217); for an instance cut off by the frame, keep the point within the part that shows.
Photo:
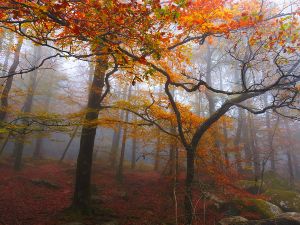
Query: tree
(119,174)
(37,153)
(140,37)
(69,143)
(82,193)
(282,88)
(9,81)
(20,138)
(270,139)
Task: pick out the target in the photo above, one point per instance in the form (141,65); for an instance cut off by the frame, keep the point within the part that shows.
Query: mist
(142,112)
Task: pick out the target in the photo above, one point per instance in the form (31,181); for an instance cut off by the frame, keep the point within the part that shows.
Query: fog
(166,118)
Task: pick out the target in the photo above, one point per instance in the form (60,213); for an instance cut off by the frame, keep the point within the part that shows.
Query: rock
(291,218)
(294,215)
(232,220)
(288,200)
(215,199)
(274,209)
(260,209)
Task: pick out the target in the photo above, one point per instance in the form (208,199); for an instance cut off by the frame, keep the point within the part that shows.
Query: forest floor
(41,193)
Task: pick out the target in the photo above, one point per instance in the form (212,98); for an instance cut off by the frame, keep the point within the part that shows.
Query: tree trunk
(271,149)
(8,84)
(119,174)
(212,101)
(115,146)
(237,139)
(69,143)
(4,143)
(226,156)
(199,104)
(37,154)
(91,73)
(5,64)
(37,150)
(133,152)
(157,153)
(290,152)
(247,147)
(188,200)
(18,151)
(241,127)
(172,147)
(296,165)
(209,94)
(116,142)
(225,152)
(20,139)
(255,153)
(172,156)
(82,194)
(291,171)
(7,54)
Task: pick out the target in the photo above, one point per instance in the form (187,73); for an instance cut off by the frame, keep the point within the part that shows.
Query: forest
(149,112)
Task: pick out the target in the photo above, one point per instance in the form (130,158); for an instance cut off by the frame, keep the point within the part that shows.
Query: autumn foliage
(161,54)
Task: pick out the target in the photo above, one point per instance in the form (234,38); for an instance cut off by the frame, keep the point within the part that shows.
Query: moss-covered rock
(289,201)
(283,219)
(252,208)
